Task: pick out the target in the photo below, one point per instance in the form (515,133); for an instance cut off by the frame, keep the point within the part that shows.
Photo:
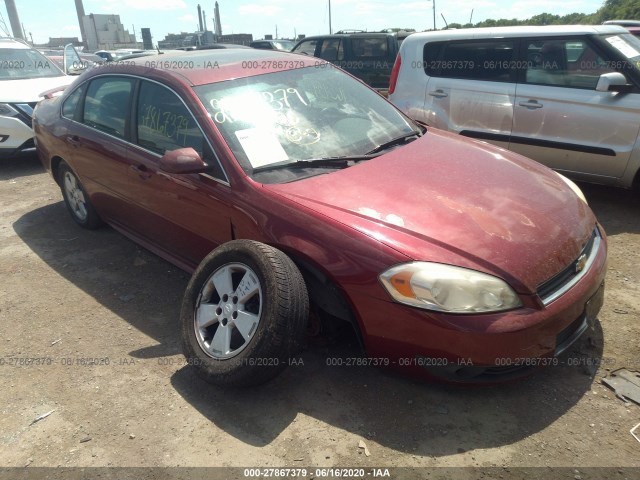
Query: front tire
(244,314)
(76,199)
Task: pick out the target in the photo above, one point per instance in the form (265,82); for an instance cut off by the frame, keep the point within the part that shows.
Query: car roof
(519,31)
(271,41)
(219,46)
(200,67)
(624,23)
(354,34)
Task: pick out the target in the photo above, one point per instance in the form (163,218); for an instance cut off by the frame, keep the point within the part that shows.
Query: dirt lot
(68,295)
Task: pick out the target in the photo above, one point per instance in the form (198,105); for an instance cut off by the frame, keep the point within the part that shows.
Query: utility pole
(434,14)
(14,20)
(330,30)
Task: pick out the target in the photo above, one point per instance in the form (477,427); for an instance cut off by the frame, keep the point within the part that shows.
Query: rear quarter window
(70,107)
(369,48)
(491,60)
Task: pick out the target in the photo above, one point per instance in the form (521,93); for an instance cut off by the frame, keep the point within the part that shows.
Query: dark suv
(368,56)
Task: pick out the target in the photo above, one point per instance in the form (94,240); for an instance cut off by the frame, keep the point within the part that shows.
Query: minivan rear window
(491,60)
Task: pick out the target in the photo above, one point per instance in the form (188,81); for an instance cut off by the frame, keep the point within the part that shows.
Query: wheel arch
(55,168)
(324,291)
(635,184)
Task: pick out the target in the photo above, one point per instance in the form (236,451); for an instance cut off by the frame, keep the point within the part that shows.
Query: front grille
(561,282)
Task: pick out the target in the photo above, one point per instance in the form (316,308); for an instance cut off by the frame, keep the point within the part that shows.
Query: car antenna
(445,22)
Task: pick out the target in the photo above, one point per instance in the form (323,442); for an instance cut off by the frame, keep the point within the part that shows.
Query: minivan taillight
(394,74)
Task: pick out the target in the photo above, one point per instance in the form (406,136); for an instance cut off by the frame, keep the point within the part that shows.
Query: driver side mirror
(613,82)
(181,161)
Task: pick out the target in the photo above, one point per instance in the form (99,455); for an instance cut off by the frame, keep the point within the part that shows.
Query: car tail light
(394,74)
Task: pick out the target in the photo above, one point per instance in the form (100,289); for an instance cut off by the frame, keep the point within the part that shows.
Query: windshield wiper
(324,162)
(394,141)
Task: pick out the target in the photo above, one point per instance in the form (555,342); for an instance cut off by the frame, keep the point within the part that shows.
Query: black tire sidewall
(273,343)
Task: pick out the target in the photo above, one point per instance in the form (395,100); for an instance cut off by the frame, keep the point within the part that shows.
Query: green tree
(610,10)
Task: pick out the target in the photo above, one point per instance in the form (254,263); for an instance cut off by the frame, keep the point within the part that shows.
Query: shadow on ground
(24,166)
(618,210)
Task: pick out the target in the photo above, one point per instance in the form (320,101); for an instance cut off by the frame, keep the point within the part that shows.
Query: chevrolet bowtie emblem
(581,262)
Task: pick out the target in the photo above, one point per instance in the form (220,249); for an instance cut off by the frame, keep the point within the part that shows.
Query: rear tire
(244,314)
(76,199)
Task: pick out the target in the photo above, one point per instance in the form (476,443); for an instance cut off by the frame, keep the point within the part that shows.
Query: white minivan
(566,96)
(25,74)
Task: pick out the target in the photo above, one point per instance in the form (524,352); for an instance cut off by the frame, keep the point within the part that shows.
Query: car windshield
(284,45)
(21,63)
(627,45)
(296,115)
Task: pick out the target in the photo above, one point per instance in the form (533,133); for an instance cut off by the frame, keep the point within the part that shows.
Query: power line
(3,26)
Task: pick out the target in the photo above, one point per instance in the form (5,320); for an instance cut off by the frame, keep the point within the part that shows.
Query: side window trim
(134,125)
(133,112)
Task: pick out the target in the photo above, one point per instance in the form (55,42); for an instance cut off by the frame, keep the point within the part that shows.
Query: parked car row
(285,187)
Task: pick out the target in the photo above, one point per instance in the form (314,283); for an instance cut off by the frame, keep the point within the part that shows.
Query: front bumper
(16,137)
(477,348)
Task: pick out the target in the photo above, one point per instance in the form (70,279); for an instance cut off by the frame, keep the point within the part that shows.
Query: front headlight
(574,187)
(445,288)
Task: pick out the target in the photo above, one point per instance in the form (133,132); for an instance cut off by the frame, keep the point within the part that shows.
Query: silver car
(566,96)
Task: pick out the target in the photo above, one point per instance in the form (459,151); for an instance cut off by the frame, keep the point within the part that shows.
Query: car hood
(30,89)
(451,200)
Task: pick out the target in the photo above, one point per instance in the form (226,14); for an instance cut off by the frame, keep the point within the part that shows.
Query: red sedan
(285,184)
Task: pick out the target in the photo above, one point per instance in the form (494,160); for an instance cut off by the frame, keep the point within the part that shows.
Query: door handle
(143,172)
(73,140)
(439,93)
(531,104)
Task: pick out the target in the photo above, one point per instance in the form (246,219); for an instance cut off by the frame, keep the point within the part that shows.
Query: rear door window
(492,60)
(106,106)
(331,50)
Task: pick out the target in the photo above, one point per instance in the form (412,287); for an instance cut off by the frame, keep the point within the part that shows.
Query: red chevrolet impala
(285,184)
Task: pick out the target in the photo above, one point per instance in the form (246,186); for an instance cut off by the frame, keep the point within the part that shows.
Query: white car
(566,96)
(24,75)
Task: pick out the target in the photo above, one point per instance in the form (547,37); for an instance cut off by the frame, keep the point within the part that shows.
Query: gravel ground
(69,295)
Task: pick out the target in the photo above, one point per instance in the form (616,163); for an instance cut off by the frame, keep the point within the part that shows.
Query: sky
(261,17)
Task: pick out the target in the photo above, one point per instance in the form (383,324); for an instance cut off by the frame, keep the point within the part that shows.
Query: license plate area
(588,318)
(594,305)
